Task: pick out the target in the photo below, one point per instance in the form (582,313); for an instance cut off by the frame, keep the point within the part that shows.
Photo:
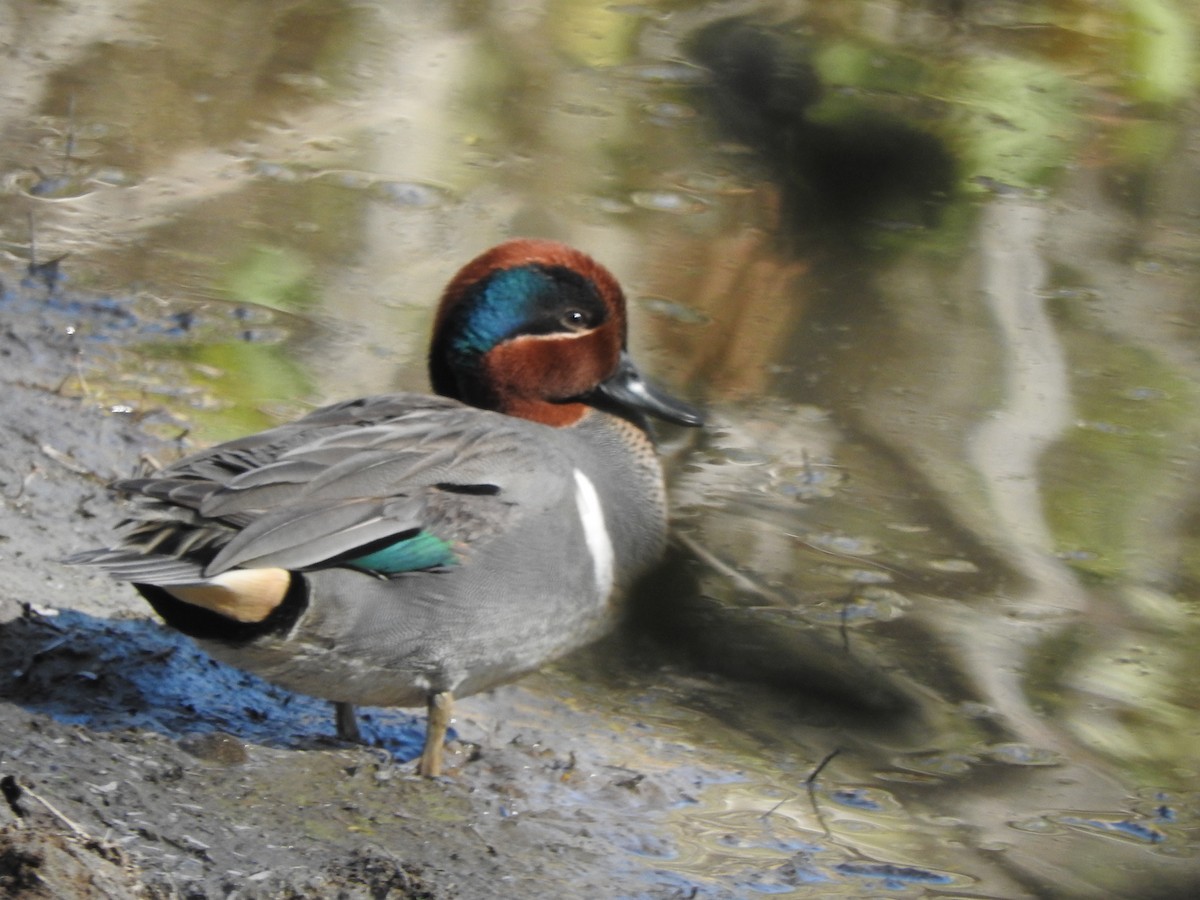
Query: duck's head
(536,329)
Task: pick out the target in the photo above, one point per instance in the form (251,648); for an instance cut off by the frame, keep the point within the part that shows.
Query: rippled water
(932,266)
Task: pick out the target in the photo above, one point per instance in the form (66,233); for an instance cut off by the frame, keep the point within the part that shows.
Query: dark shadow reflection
(839,177)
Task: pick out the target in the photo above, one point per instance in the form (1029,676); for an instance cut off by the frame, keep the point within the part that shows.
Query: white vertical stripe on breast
(595,532)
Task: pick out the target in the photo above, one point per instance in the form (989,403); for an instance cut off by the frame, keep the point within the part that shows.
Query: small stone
(216,746)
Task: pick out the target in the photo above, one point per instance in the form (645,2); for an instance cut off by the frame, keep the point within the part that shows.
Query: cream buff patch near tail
(246,595)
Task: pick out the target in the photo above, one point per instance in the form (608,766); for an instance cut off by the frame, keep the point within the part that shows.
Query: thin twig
(57,813)
(815,774)
(742,581)
(810,787)
(810,784)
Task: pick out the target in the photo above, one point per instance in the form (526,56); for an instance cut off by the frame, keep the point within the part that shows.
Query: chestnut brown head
(534,328)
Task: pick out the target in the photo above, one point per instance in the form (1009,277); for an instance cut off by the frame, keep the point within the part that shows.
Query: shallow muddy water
(929,625)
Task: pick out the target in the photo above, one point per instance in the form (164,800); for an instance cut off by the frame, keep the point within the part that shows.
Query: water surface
(931,266)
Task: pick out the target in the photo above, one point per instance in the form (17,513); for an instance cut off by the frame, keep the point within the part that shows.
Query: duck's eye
(574,320)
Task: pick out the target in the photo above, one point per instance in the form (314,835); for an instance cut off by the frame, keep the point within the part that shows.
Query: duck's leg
(347,722)
(437,720)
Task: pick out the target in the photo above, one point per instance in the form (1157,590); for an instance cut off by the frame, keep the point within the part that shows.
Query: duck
(407,549)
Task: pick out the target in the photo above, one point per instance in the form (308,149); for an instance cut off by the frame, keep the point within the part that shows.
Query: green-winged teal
(399,550)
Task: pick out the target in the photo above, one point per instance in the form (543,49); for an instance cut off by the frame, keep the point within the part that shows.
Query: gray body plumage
(548,526)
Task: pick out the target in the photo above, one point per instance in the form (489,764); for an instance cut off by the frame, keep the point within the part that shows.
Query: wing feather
(345,478)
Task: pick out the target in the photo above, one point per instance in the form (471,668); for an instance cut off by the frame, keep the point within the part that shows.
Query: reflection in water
(841,166)
(934,265)
(1033,412)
